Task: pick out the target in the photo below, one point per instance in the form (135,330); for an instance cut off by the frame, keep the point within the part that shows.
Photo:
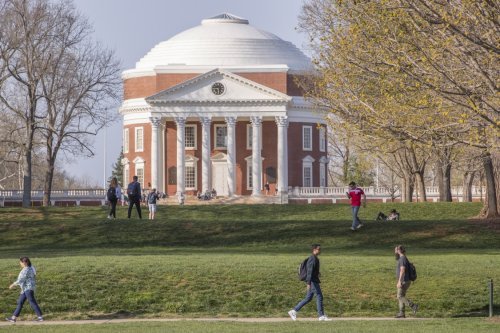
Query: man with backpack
(309,272)
(134,196)
(405,274)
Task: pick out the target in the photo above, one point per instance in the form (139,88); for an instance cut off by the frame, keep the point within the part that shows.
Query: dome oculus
(218,88)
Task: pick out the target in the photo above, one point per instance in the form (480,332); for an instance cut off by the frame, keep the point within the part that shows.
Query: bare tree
(82,86)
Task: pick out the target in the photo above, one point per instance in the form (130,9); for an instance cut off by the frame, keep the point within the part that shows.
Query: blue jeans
(355,218)
(30,295)
(315,289)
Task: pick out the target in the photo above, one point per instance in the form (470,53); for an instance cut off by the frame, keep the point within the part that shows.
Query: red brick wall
(145,154)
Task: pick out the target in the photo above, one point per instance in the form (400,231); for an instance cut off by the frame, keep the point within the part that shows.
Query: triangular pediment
(218,86)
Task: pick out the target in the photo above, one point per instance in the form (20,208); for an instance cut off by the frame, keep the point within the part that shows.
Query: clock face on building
(218,88)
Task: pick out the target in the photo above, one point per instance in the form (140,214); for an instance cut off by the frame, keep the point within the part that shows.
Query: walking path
(241,320)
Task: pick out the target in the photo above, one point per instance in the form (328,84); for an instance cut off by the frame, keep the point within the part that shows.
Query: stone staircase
(237,200)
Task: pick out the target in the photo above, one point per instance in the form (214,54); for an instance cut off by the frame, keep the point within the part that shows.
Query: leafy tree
(118,169)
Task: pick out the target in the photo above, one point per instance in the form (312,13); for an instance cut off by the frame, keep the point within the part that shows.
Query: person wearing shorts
(152,197)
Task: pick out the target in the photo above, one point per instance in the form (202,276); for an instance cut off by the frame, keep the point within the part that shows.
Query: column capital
(155,121)
(256,121)
(206,121)
(281,120)
(180,121)
(231,121)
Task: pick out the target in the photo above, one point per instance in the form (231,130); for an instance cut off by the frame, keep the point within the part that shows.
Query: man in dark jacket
(134,196)
(313,282)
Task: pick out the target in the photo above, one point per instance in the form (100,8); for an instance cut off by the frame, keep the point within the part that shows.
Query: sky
(132,27)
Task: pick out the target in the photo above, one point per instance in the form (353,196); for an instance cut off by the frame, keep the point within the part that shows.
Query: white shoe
(359,226)
(353,229)
(109,217)
(293,314)
(324,318)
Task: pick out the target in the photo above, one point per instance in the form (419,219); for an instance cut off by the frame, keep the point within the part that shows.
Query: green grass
(436,325)
(240,261)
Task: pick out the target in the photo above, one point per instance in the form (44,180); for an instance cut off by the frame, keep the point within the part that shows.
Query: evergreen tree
(118,169)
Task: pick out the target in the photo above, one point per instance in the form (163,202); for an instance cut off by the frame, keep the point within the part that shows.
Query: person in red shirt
(355,193)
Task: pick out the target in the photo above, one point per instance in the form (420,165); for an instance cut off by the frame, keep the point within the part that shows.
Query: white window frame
(249,176)
(215,136)
(195,131)
(126,175)
(192,162)
(249,171)
(137,148)
(249,137)
(139,164)
(308,129)
(304,168)
(125,140)
(322,175)
(322,139)
(307,162)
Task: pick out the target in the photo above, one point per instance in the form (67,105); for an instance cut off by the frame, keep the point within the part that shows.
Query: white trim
(249,163)
(304,128)
(195,126)
(126,140)
(322,175)
(142,139)
(304,167)
(215,136)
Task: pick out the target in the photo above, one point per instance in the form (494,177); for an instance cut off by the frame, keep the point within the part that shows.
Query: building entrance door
(219,177)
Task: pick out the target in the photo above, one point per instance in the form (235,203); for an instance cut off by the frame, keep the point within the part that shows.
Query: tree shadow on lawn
(287,236)
(479,312)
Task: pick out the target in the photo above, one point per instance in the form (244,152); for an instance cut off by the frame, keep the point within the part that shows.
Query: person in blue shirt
(27,282)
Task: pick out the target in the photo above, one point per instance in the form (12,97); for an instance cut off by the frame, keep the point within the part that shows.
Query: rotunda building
(217,107)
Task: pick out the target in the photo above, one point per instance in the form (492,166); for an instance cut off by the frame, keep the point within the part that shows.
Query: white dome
(225,41)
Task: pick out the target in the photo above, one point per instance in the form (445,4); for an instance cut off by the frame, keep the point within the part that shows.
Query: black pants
(137,203)
(112,212)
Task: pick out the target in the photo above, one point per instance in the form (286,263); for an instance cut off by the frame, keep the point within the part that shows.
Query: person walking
(134,196)
(313,286)
(27,281)
(355,193)
(403,281)
(152,197)
(113,197)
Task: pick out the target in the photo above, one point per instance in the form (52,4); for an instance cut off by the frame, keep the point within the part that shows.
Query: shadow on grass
(479,312)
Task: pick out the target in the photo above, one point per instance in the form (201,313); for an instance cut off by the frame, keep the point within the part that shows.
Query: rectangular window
(322,139)
(125,140)
(190,137)
(307,171)
(140,175)
(190,177)
(307,138)
(322,175)
(249,176)
(220,136)
(139,139)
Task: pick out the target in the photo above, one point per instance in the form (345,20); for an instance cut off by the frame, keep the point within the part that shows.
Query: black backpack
(302,273)
(133,190)
(412,272)
(111,194)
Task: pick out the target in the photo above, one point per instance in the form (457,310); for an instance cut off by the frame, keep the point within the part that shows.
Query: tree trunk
(490,210)
(467,186)
(443,170)
(27,178)
(408,187)
(421,186)
(47,186)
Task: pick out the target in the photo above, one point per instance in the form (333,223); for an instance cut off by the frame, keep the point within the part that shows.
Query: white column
(256,156)
(282,123)
(181,123)
(231,155)
(155,150)
(205,154)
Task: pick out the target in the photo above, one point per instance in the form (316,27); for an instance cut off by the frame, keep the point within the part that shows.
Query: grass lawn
(436,325)
(241,261)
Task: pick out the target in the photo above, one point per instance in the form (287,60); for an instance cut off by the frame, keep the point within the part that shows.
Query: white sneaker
(359,226)
(353,229)
(293,314)
(324,318)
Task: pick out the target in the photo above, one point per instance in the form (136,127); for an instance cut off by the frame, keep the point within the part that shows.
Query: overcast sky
(133,27)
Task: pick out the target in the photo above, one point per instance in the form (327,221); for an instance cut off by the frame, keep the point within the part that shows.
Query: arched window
(172,176)
(271,175)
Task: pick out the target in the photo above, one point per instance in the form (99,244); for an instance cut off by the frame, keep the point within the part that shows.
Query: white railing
(340,192)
